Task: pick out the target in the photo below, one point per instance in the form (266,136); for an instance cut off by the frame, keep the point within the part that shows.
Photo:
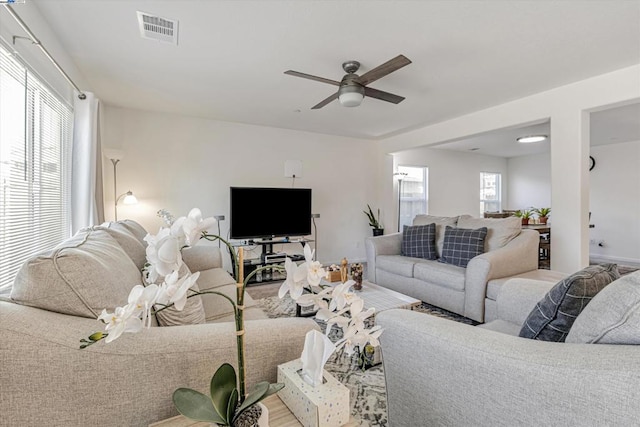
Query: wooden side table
(279,416)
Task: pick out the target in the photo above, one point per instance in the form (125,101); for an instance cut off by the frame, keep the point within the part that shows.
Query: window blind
(35,160)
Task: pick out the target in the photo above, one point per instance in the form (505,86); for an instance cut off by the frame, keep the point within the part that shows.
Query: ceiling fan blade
(310,77)
(325,101)
(385,96)
(384,69)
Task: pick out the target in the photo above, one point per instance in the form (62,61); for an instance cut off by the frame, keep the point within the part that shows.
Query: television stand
(268,257)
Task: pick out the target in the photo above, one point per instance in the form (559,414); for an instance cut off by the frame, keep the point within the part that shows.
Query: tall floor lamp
(399,176)
(129,199)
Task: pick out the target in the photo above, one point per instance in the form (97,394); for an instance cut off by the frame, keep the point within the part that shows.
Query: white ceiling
(231,55)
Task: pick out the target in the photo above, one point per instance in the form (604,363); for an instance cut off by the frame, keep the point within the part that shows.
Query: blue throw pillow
(553,316)
(462,244)
(419,241)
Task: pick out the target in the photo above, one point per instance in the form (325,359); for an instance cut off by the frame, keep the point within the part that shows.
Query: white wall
(614,197)
(615,203)
(454,178)
(529,182)
(177,163)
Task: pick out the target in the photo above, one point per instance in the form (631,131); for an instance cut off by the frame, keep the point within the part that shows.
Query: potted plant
(524,215)
(374,221)
(543,214)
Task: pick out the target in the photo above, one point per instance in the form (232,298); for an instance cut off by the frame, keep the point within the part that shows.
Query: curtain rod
(35,41)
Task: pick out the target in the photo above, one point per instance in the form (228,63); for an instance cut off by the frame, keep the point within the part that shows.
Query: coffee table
(378,297)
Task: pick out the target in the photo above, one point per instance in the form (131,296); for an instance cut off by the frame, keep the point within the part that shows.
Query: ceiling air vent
(156,28)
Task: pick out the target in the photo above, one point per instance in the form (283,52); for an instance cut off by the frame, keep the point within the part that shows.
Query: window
(35,150)
(490,192)
(413,193)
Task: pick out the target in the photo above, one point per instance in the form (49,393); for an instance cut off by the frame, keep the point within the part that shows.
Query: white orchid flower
(353,338)
(193,226)
(308,253)
(342,296)
(143,299)
(294,283)
(123,319)
(318,301)
(163,254)
(176,288)
(315,273)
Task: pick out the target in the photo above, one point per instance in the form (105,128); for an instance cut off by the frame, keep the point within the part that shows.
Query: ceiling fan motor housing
(350,92)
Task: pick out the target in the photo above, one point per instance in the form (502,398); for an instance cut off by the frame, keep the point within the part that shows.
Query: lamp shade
(351,96)
(129,199)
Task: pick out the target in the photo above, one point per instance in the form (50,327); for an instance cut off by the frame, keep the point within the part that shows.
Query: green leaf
(223,383)
(273,388)
(256,395)
(233,403)
(195,405)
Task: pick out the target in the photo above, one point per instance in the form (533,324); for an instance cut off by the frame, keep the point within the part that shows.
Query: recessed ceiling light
(531,138)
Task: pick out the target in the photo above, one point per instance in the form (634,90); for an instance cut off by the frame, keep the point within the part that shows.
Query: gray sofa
(509,251)
(48,380)
(443,373)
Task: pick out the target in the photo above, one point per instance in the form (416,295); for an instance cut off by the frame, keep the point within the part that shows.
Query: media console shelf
(268,257)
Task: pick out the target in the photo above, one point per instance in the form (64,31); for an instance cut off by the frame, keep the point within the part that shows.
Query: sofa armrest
(202,257)
(389,244)
(517,256)
(440,372)
(46,379)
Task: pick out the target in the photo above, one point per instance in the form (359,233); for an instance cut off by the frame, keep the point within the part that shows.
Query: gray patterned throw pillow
(462,244)
(419,241)
(553,316)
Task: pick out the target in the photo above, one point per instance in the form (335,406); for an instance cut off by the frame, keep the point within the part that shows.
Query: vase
(543,219)
(525,221)
(378,231)
(357,278)
(262,421)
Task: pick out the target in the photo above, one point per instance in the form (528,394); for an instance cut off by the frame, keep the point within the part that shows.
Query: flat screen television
(269,212)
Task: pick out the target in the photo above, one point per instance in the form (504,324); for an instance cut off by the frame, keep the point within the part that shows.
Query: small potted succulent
(525,215)
(374,221)
(543,214)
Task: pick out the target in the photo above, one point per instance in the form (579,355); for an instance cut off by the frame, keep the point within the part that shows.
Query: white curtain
(87,206)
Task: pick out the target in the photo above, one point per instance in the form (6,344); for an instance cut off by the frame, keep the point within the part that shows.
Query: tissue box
(326,405)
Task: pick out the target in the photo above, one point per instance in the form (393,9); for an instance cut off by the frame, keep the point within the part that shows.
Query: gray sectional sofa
(56,297)
(509,251)
(445,373)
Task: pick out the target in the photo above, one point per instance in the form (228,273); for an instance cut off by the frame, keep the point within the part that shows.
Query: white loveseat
(48,380)
(509,251)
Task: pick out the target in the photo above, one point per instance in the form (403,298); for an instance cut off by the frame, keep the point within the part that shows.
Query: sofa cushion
(396,264)
(80,277)
(441,222)
(419,241)
(129,242)
(500,231)
(135,229)
(218,308)
(462,244)
(213,278)
(552,318)
(612,317)
(445,275)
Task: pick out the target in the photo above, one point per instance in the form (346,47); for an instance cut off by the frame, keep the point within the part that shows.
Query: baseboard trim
(631,262)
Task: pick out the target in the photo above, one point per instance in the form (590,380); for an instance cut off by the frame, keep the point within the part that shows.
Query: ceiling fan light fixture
(351,96)
(531,139)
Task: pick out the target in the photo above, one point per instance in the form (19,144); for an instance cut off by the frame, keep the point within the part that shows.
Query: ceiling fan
(353,88)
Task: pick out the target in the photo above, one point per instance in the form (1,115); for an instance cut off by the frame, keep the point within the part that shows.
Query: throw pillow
(462,244)
(441,222)
(80,277)
(553,316)
(419,241)
(612,316)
